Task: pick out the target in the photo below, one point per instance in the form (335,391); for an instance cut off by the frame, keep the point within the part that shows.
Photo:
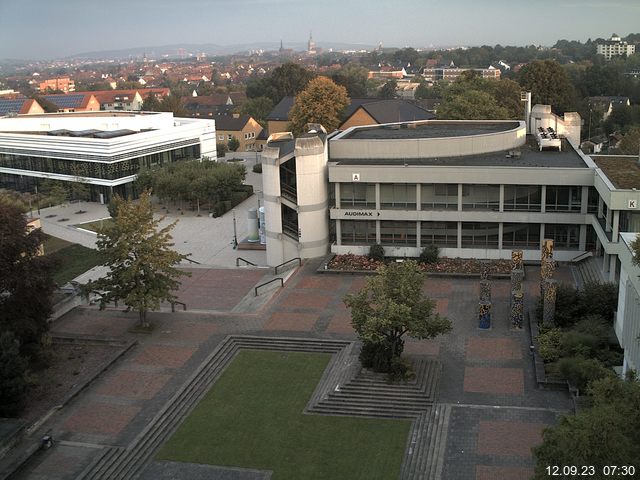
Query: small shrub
(227,205)
(567,306)
(376,252)
(580,372)
(218,209)
(429,254)
(238,197)
(596,326)
(400,370)
(549,344)
(599,299)
(257,168)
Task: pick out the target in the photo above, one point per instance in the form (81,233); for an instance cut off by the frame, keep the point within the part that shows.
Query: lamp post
(235,233)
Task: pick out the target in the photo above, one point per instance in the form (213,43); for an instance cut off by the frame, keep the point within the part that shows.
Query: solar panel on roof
(11,106)
(66,101)
(113,133)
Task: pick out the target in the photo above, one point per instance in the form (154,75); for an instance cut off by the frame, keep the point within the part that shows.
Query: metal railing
(192,261)
(245,261)
(285,263)
(581,257)
(173,306)
(267,283)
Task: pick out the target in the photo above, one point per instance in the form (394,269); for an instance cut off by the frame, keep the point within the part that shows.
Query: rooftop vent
(548,138)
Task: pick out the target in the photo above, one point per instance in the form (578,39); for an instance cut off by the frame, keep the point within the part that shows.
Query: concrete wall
(627,320)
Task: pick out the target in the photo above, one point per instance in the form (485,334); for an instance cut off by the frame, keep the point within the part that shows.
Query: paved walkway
(497,411)
(208,240)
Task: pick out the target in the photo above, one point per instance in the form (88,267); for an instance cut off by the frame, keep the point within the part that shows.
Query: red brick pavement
(164,356)
(480,348)
(216,289)
(300,322)
(442,306)
(357,283)
(484,472)
(100,418)
(321,282)
(135,385)
(422,347)
(494,380)
(93,322)
(340,323)
(508,438)
(437,287)
(307,299)
(186,331)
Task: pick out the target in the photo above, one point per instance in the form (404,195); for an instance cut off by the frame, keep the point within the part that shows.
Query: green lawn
(252,418)
(94,226)
(73,260)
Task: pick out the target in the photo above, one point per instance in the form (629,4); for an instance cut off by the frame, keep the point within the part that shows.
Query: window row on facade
(472,234)
(453,196)
(106,170)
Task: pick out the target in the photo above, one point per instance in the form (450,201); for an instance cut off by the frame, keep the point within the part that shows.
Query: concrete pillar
(459,234)
(500,232)
(337,194)
(517,309)
(517,278)
(584,200)
(608,221)
(583,238)
(485,291)
(378,199)
(543,199)
(541,234)
(501,206)
(613,263)
(338,232)
(378,237)
(615,227)
(418,236)
(459,197)
(418,197)
(600,207)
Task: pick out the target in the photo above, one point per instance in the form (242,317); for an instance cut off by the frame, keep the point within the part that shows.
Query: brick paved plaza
(497,412)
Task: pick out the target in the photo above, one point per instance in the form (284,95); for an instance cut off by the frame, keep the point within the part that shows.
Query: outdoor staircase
(590,270)
(117,463)
(424,459)
(344,389)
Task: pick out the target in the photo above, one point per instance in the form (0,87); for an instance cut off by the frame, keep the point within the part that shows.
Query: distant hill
(210,49)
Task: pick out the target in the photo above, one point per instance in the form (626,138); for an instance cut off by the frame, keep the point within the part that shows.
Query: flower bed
(351,262)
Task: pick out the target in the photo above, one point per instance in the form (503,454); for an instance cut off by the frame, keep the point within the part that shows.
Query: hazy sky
(39,29)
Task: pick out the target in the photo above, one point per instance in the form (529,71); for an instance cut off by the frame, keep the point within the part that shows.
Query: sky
(42,29)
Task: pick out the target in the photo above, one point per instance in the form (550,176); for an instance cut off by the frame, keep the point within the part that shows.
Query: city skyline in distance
(32,29)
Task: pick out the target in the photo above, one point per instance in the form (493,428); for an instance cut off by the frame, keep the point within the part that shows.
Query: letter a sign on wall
(355,177)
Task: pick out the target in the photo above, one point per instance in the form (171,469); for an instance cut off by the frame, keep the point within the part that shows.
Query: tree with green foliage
(142,264)
(606,434)
(287,80)
(388,90)
(13,369)
(635,246)
(321,102)
(391,305)
(233,144)
(26,280)
(353,77)
(472,97)
(549,84)
(151,103)
(630,143)
(221,149)
(258,108)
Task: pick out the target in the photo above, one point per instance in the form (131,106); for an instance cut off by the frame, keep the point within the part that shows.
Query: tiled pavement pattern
(487,378)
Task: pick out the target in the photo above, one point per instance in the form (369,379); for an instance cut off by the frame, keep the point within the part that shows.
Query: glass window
(563,199)
(479,235)
(523,198)
(441,234)
(481,197)
(358,232)
(360,195)
(401,196)
(521,235)
(398,233)
(290,222)
(592,204)
(564,236)
(439,196)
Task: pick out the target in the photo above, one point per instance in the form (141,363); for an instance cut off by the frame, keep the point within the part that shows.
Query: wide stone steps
(127,463)
(370,394)
(589,270)
(428,440)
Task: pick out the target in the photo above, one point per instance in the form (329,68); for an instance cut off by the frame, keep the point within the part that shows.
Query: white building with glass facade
(102,149)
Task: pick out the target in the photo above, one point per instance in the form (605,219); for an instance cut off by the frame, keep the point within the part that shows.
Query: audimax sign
(361,213)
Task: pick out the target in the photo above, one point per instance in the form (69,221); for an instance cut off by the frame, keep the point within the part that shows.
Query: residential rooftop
(622,171)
